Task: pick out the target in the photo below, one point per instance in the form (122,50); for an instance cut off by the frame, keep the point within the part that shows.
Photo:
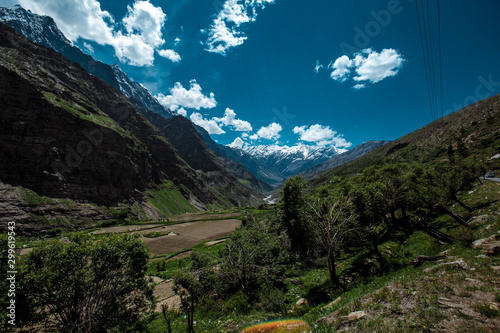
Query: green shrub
(238,303)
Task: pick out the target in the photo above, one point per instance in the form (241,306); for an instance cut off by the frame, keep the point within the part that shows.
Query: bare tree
(331,220)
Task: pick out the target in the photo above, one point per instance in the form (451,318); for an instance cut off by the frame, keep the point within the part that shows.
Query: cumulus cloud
(341,68)
(367,65)
(229,119)
(182,97)
(321,136)
(374,67)
(182,112)
(270,132)
(170,55)
(134,38)
(209,125)
(237,143)
(226,29)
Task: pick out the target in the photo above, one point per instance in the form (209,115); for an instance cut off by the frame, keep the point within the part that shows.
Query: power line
(427,44)
(440,57)
(426,67)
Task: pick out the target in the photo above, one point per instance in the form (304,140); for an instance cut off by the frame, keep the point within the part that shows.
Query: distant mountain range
(343,158)
(276,163)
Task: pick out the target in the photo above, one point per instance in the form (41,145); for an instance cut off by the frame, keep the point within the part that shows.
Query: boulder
(302,302)
(356,315)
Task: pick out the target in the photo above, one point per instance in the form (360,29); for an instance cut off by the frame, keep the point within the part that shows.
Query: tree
(331,219)
(252,254)
(88,285)
(292,216)
(195,284)
(168,315)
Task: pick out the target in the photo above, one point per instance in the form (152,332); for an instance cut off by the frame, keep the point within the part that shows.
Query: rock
(448,303)
(495,268)
(302,302)
(491,248)
(460,263)
(356,315)
(478,243)
(494,306)
(337,300)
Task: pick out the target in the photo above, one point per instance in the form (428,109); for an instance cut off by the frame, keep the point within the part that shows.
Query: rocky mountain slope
(65,133)
(44,31)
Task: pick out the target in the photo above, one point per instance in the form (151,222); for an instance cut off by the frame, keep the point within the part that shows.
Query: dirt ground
(200,217)
(166,295)
(189,234)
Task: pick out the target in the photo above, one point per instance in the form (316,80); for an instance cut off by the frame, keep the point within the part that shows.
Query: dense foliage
(85,285)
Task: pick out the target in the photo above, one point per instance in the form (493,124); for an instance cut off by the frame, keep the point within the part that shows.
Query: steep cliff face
(66,133)
(44,31)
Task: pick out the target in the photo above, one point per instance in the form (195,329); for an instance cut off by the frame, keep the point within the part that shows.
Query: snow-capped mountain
(344,158)
(288,161)
(44,31)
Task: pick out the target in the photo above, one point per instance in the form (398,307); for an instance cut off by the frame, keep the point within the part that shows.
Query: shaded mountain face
(66,133)
(44,31)
(343,158)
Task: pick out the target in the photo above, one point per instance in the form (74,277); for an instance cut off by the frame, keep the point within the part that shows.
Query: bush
(87,285)
(238,303)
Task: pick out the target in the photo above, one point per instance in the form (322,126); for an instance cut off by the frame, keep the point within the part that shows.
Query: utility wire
(430,56)
(440,57)
(426,67)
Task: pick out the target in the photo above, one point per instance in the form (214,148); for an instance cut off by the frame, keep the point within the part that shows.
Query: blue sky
(287,72)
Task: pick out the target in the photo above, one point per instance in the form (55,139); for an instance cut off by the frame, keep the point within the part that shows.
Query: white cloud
(192,98)
(134,39)
(209,125)
(177,41)
(88,47)
(244,135)
(368,65)
(341,68)
(374,67)
(170,54)
(237,143)
(318,66)
(321,135)
(229,119)
(225,31)
(182,112)
(270,132)
(359,86)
